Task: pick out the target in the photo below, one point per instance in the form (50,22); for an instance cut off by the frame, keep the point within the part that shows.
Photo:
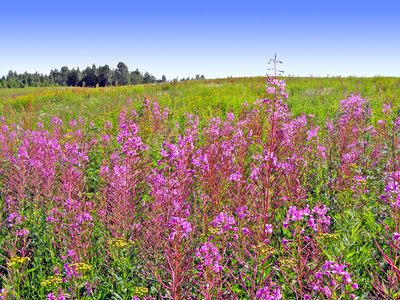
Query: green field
(207,98)
(12,93)
(183,191)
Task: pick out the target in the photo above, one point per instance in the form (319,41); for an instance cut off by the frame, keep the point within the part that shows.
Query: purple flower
(242,212)
(23,232)
(235,177)
(224,221)
(337,273)
(179,225)
(245,231)
(326,291)
(230,116)
(386,108)
(270,90)
(269,293)
(268,228)
(210,257)
(51,296)
(108,124)
(56,122)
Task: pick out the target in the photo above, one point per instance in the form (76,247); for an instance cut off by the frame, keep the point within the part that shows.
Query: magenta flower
(230,116)
(268,229)
(210,257)
(268,293)
(245,231)
(51,296)
(179,225)
(224,221)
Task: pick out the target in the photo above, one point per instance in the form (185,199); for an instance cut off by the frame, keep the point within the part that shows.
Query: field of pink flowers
(258,205)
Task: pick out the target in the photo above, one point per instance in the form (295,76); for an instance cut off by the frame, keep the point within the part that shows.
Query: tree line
(90,77)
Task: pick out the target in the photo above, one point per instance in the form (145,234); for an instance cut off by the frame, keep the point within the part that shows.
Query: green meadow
(207,98)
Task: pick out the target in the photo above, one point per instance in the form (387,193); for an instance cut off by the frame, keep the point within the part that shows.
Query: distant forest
(90,77)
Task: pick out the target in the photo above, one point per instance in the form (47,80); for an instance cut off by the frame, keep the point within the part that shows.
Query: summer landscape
(117,185)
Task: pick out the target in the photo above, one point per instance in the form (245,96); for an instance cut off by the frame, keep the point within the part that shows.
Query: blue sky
(215,38)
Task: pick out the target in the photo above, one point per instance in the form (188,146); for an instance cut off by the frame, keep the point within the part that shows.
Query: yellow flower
(14,260)
(266,249)
(119,243)
(81,267)
(140,291)
(52,280)
(214,230)
(327,236)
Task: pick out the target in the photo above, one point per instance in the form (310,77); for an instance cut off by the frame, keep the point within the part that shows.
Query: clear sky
(215,38)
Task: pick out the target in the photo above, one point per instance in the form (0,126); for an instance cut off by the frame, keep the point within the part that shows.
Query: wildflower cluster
(316,219)
(76,270)
(16,261)
(180,227)
(210,258)
(57,296)
(332,279)
(139,291)
(246,203)
(269,293)
(224,222)
(52,281)
(119,243)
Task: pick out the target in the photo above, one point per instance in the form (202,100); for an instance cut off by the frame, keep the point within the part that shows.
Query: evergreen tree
(55,76)
(136,77)
(73,78)
(122,74)
(89,75)
(104,76)
(92,77)
(64,75)
(147,78)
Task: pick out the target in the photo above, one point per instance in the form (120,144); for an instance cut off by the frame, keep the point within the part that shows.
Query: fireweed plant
(255,205)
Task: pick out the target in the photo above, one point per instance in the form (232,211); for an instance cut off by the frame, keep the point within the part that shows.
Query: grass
(207,98)
(14,92)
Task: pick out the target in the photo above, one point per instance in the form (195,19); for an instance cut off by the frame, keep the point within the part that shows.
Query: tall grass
(206,98)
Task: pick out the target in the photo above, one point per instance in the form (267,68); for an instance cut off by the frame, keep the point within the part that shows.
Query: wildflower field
(237,188)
